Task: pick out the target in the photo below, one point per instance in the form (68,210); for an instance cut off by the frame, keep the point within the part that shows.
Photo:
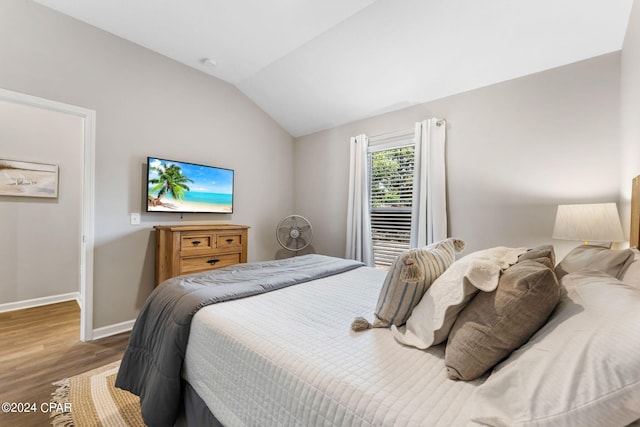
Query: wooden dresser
(184,249)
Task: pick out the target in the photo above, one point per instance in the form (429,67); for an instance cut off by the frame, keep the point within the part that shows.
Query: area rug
(91,399)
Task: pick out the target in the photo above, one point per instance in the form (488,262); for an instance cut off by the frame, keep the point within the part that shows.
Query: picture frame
(28,179)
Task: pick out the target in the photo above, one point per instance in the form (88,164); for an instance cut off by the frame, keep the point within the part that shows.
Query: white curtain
(358,216)
(429,212)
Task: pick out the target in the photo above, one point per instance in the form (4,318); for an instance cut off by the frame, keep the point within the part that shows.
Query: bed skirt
(194,412)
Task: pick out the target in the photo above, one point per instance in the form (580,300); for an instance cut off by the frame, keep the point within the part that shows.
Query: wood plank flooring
(41,345)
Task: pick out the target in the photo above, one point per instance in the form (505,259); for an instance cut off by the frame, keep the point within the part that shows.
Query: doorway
(83,252)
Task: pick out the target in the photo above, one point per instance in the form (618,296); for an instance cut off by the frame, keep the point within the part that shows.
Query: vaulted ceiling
(317,64)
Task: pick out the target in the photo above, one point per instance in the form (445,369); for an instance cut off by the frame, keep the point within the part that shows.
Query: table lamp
(594,222)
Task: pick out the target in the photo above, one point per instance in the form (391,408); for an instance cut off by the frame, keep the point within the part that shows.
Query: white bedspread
(289,357)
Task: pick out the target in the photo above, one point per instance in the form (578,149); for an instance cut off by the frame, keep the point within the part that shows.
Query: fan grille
(294,233)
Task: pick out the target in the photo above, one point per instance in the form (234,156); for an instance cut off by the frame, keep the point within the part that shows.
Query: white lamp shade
(598,222)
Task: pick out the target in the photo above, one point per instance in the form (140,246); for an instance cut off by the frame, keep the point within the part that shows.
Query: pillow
(631,274)
(580,369)
(609,261)
(543,254)
(432,319)
(407,280)
(496,323)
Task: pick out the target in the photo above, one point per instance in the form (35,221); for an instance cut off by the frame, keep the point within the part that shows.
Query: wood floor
(41,345)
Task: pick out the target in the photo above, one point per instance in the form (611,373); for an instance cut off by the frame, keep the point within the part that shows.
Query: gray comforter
(152,362)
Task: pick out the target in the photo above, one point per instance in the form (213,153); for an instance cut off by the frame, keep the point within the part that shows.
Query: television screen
(187,187)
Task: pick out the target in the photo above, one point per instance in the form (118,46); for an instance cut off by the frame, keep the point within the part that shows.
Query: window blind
(391,188)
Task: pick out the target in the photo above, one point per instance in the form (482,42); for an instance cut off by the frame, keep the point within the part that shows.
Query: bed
(281,349)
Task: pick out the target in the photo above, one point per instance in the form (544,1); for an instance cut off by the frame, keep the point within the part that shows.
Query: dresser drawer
(192,248)
(196,242)
(224,240)
(202,263)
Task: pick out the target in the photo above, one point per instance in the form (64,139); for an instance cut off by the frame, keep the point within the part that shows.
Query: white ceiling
(317,64)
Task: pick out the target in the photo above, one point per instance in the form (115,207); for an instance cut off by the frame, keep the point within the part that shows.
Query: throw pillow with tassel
(406,282)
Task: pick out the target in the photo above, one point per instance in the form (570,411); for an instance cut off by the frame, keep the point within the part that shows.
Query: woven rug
(93,400)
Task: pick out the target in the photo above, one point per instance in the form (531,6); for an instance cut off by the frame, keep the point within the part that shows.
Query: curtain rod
(392,135)
(402,133)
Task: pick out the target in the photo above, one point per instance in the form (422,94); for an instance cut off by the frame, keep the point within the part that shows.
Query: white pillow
(582,257)
(631,275)
(581,369)
(432,319)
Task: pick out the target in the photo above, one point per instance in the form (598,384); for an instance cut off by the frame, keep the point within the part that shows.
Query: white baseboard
(103,332)
(37,302)
(107,331)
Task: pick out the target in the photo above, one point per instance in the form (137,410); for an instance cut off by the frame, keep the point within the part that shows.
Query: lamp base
(600,244)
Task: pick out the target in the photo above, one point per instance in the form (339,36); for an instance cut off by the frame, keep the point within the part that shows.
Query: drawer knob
(213,261)
(196,242)
(229,240)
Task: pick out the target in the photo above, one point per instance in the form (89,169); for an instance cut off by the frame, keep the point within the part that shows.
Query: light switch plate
(135,218)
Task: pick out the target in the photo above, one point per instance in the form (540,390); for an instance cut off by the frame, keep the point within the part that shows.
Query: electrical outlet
(135,218)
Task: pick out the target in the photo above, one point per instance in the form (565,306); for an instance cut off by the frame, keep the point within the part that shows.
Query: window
(390,166)
(397,192)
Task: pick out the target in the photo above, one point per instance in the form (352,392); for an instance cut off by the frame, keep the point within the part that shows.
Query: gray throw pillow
(496,323)
(544,254)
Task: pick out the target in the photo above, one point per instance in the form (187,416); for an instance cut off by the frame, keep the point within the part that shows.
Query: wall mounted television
(181,187)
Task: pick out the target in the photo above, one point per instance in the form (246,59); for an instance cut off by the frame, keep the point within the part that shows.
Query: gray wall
(630,112)
(515,150)
(40,250)
(146,104)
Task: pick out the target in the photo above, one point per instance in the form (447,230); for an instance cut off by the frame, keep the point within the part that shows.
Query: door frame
(88,197)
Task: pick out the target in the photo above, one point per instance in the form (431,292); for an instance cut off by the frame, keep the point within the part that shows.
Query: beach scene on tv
(185,187)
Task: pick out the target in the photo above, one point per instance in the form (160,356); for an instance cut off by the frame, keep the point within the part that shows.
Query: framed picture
(28,179)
